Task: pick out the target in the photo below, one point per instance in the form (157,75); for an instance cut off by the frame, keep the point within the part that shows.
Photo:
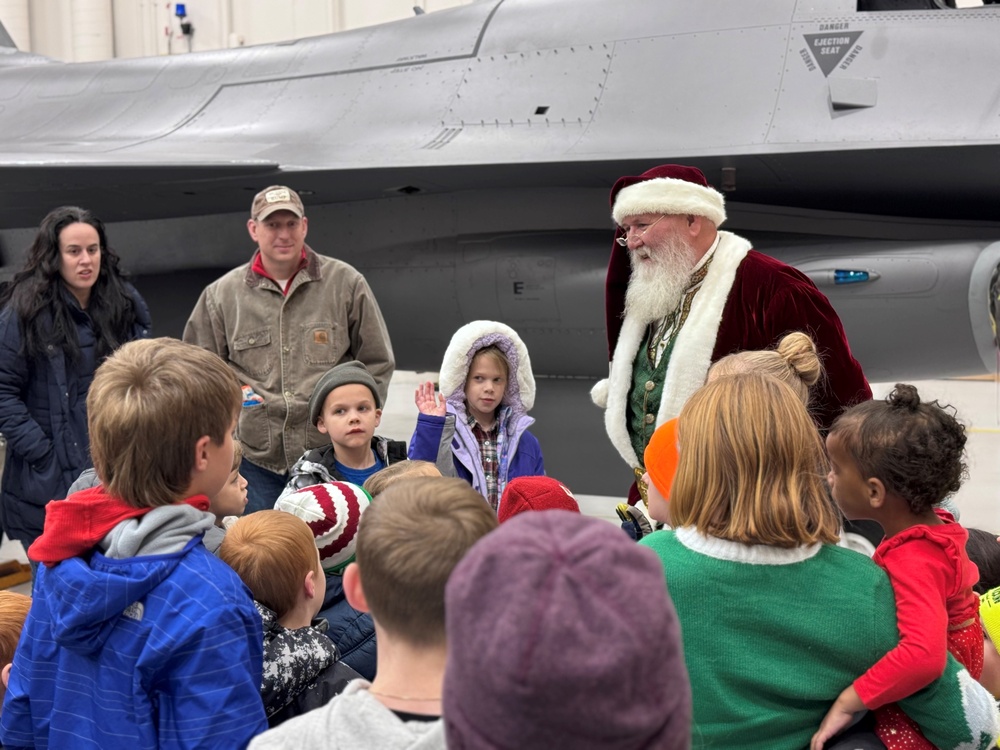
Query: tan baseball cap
(276,198)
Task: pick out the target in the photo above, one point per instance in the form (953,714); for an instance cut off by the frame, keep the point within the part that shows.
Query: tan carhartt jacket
(280,345)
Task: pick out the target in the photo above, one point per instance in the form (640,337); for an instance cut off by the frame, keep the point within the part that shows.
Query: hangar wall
(87,30)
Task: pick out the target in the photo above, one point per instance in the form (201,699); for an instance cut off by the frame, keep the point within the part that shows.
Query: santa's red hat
(666,189)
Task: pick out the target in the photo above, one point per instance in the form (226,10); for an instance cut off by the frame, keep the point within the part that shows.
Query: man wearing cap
(281,321)
(681,294)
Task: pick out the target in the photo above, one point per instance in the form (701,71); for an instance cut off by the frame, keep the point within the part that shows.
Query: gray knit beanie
(561,634)
(343,374)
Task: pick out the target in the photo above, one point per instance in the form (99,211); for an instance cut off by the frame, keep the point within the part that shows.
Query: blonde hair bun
(799,351)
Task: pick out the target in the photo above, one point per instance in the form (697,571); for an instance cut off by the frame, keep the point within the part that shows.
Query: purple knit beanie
(561,634)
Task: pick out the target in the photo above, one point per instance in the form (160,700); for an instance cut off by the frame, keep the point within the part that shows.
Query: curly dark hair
(917,449)
(983,549)
(36,293)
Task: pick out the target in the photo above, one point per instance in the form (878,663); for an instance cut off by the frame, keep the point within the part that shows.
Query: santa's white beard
(657,284)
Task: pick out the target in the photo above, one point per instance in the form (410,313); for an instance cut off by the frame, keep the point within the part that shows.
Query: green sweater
(772,636)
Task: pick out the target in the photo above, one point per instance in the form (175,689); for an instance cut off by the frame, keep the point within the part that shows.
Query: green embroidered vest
(647,391)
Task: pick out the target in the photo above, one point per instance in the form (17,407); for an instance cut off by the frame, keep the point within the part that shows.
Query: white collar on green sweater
(752,554)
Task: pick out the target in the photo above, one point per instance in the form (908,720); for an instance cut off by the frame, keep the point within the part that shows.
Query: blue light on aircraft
(841,276)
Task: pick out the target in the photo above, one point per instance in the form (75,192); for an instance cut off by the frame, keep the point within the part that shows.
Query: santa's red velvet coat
(747,302)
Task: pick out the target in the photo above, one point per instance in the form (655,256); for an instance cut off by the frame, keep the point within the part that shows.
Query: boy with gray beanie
(345,406)
(561,634)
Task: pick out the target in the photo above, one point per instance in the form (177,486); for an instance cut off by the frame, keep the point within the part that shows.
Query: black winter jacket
(43,416)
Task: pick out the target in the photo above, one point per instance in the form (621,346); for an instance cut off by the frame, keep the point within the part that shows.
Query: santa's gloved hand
(634,521)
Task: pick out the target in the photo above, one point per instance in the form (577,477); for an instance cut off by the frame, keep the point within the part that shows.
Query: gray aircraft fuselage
(462,159)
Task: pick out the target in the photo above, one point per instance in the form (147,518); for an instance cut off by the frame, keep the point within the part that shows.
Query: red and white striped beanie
(332,511)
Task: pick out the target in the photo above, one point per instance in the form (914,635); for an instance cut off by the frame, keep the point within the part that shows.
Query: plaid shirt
(487,440)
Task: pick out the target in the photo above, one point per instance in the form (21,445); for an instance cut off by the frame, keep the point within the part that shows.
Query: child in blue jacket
(138,637)
(477,427)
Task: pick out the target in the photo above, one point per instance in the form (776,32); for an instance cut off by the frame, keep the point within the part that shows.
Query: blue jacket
(434,434)
(43,416)
(161,651)
(351,630)
(518,451)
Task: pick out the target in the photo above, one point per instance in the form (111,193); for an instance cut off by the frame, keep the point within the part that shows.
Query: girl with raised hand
(476,428)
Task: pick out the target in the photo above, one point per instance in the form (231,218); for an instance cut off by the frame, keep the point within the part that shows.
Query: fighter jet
(462,159)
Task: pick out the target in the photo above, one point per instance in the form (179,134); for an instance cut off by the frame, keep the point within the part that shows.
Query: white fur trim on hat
(667,195)
(474,336)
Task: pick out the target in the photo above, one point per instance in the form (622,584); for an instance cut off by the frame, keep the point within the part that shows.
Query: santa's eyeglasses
(627,233)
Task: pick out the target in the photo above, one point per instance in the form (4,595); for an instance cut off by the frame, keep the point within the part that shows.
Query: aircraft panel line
(306,76)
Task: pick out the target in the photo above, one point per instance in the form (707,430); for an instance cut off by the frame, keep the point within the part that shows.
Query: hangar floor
(977,402)
(561,402)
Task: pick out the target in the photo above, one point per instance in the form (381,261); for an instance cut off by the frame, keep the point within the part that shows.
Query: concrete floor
(977,402)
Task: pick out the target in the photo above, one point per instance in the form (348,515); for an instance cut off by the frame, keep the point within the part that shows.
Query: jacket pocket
(323,343)
(252,353)
(254,428)
(42,481)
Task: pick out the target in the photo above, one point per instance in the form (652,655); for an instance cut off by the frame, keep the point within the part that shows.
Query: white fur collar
(692,353)
(475,335)
(751,554)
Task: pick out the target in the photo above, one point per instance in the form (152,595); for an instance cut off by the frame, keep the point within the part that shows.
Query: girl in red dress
(892,461)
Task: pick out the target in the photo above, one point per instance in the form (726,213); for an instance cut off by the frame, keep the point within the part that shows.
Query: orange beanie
(661,457)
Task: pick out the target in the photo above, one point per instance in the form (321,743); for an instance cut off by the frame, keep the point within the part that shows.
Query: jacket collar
(309,263)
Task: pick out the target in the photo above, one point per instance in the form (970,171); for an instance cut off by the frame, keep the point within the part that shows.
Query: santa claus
(681,294)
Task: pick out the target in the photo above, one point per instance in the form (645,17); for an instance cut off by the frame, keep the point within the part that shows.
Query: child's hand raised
(429,402)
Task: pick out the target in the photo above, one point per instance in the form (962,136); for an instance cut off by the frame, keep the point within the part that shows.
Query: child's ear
(201,453)
(320,426)
(378,417)
(876,492)
(309,584)
(5,674)
(352,588)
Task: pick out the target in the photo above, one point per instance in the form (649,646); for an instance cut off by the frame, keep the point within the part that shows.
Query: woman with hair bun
(63,313)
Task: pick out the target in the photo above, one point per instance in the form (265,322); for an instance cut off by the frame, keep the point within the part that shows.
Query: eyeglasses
(623,240)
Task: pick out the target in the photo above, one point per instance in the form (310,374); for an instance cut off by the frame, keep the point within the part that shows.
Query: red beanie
(535,493)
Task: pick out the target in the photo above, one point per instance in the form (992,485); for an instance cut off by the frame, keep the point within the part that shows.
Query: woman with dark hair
(62,315)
